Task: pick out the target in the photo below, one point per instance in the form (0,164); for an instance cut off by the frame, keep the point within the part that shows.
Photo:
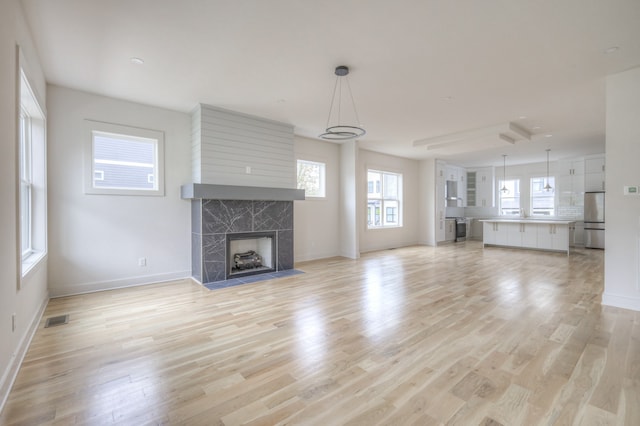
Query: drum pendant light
(336,130)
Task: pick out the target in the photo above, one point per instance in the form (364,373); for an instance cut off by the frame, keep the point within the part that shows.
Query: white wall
(622,238)
(95,241)
(349,181)
(427,202)
(316,220)
(408,234)
(29,300)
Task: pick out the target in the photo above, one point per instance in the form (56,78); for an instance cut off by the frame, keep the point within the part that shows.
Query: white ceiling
(420,69)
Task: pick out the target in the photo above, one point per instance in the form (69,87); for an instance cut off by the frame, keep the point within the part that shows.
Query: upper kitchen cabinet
(570,188)
(594,177)
(452,172)
(458,175)
(480,187)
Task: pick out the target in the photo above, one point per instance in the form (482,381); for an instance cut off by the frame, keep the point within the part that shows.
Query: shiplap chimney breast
(230,148)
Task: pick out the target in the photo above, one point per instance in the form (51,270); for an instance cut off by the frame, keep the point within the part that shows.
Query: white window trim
(499,196)
(531,196)
(385,170)
(92,126)
(29,106)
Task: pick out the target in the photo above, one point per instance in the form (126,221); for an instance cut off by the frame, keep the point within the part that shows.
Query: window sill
(32,261)
(383,227)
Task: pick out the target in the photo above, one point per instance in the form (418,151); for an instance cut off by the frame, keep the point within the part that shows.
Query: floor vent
(59,320)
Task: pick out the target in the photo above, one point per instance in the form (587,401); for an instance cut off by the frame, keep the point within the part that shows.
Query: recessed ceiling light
(611,49)
(536,127)
(523,117)
(137,61)
(548,135)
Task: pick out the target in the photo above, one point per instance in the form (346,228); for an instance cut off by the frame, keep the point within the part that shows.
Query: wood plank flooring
(456,335)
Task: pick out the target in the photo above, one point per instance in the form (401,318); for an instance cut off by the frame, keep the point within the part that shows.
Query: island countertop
(532,221)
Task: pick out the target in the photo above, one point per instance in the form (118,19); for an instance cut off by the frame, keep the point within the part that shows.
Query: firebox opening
(250,253)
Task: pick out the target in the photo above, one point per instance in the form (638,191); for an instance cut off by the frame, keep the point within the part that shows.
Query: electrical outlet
(247,170)
(13,322)
(142,261)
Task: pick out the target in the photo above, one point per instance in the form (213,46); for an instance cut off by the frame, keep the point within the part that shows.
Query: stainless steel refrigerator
(594,219)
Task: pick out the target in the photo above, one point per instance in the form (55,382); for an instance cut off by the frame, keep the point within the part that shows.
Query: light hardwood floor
(421,335)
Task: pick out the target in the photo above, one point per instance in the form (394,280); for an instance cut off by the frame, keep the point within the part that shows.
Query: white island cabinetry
(533,234)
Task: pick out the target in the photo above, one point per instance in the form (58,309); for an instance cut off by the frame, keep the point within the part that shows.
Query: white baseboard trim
(10,374)
(83,288)
(619,301)
(389,246)
(314,256)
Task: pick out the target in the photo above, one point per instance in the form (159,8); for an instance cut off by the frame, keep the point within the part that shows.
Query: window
(542,201)
(384,191)
(32,171)
(124,160)
(25,183)
(509,200)
(311,178)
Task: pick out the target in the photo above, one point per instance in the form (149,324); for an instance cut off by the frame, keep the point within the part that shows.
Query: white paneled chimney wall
(230,148)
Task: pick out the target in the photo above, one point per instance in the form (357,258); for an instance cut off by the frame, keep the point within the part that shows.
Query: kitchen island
(554,235)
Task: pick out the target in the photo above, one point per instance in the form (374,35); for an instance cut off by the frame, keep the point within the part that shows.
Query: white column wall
(427,202)
(349,178)
(622,212)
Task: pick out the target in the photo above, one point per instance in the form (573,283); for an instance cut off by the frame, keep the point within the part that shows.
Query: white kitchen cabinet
(452,173)
(532,234)
(553,237)
(495,233)
(594,177)
(489,232)
(594,182)
(570,188)
(522,235)
(462,186)
(450,230)
(458,175)
(482,187)
(594,164)
(571,167)
(471,188)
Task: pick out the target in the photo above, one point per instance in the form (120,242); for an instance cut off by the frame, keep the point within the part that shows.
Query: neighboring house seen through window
(312,178)
(124,160)
(542,200)
(509,200)
(384,191)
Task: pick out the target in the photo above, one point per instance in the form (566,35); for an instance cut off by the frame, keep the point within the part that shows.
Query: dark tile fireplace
(217,222)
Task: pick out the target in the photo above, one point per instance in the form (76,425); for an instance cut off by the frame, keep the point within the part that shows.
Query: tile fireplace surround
(219,210)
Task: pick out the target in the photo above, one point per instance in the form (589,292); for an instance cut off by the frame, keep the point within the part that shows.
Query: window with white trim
(312,178)
(124,160)
(543,200)
(509,197)
(32,185)
(384,199)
